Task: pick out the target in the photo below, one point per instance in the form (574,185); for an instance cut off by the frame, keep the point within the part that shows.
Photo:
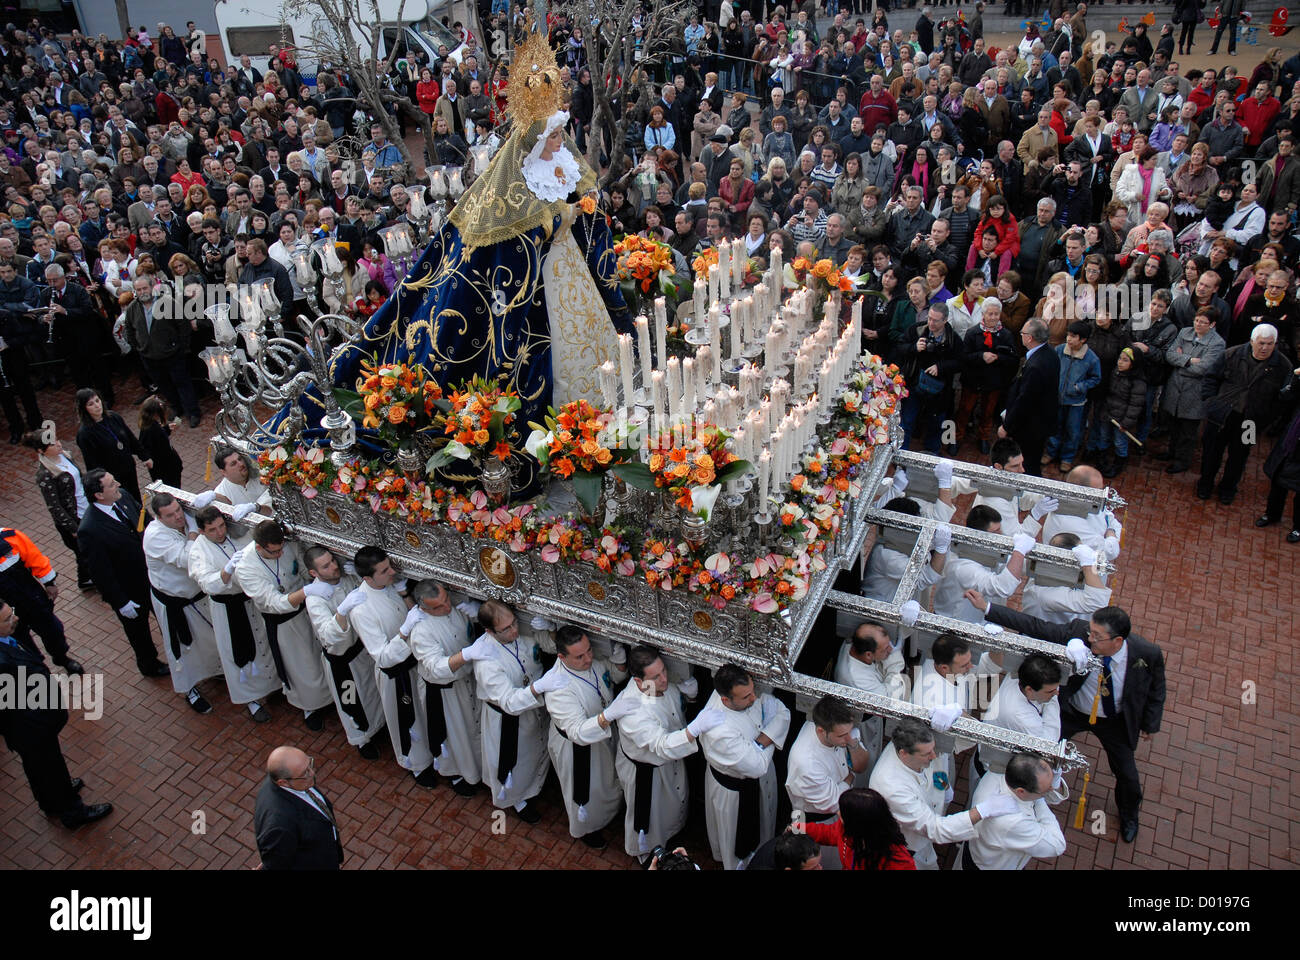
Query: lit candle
(777,268)
(625,366)
(753,323)
(699,298)
(643,344)
(705,360)
(738,262)
(661,331)
(710,412)
(609,384)
(724,275)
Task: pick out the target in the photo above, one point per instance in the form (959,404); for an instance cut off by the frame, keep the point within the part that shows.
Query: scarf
(1247,289)
(988,336)
(1146,176)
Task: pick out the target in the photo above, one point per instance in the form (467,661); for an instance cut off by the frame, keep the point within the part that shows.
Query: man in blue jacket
(1080,372)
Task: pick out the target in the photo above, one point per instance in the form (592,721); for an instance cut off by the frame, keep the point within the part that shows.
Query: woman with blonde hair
(1053,308)
(196,198)
(749,152)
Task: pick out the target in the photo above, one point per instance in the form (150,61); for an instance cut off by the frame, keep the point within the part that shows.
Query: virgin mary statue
(520,281)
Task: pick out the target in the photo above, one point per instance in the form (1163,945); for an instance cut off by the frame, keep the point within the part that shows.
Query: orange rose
(397,413)
(822,268)
(796,482)
(603,456)
(656,462)
(481,437)
(373,401)
(588,204)
(388,382)
(801,264)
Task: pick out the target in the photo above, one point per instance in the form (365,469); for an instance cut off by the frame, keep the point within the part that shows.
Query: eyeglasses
(311,771)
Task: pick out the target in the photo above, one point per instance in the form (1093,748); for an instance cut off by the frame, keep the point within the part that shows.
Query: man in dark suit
(1033,397)
(33,732)
(156,330)
(108,538)
(1126,694)
(294,822)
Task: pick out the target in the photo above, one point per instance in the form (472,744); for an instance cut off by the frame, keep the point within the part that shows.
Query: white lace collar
(556,178)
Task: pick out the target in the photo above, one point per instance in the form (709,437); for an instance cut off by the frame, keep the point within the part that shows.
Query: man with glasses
(1121,701)
(293,820)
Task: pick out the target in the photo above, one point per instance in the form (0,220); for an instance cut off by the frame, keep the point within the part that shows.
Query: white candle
(778,458)
(764,478)
(738,259)
(657,400)
(724,260)
(776,264)
(674,388)
(625,366)
(643,344)
(699,297)
(753,323)
(713,285)
(724,276)
(710,412)
(609,384)
(688,386)
(661,330)
(737,329)
(771,353)
(705,360)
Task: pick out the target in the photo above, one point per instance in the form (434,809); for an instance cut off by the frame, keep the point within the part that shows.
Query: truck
(251,26)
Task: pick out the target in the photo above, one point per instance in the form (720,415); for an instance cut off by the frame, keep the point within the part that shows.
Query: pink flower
(501,516)
(309,492)
(518,544)
(626,567)
(551,553)
(479,499)
(763,603)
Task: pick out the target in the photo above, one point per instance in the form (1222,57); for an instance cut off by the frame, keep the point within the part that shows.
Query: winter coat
(1078,376)
(1283,463)
(1151,364)
(1248,386)
(1126,401)
(1186,387)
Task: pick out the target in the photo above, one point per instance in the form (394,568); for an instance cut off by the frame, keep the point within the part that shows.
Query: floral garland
(811,514)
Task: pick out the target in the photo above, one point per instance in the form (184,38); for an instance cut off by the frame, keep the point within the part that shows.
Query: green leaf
(734,470)
(441,459)
(350,401)
(587,487)
(635,474)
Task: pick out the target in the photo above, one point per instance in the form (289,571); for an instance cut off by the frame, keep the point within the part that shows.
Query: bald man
(294,823)
(1099,530)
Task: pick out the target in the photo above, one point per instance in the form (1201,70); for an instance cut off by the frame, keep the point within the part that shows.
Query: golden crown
(534,91)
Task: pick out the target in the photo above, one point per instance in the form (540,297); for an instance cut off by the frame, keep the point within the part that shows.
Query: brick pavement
(1222,778)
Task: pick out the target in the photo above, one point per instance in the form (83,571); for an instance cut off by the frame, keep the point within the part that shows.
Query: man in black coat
(1069,188)
(157,331)
(1135,665)
(295,824)
(1033,397)
(18,297)
(33,732)
(109,540)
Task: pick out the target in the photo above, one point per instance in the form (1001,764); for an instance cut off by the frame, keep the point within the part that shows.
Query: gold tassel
(207,474)
(1083,803)
(139,524)
(1092,717)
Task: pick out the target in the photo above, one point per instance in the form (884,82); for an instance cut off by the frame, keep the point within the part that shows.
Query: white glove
(131,610)
(319,588)
(618,655)
(204,499)
(1112,522)
(350,568)
(705,720)
(1086,556)
(992,629)
(943,474)
(541,623)
(234,560)
(942,540)
(469,608)
(402,585)
(1110,547)
(908,613)
(413,616)
(353,600)
(1023,543)
(1043,507)
(621,707)
(480,649)
(239,512)
(557,678)
(944,716)
(1058,778)
(690,688)
(900,481)
(1078,653)
(998,806)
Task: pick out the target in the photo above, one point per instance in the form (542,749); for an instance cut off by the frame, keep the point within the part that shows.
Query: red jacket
(877,110)
(1008,234)
(725,191)
(1255,116)
(427,95)
(166,107)
(832,835)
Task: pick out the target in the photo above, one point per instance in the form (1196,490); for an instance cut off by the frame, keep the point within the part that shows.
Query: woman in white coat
(1140,185)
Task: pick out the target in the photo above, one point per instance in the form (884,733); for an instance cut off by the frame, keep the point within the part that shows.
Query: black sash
(967,861)
(178,631)
(272,622)
(341,673)
(747,820)
(643,795)
(581,768)
(401,677)
(508,753)
(436,714)
(243,646)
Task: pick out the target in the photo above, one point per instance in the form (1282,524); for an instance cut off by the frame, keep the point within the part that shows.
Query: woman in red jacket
(867,835)
(427,92)
(737,192)
(997,216)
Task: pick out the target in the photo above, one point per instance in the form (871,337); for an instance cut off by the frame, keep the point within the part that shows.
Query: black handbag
(928,385)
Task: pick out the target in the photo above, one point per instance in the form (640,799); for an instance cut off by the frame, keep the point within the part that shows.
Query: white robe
(1011,841)
(1090,529)
(268,584)
(503,680)
(882,679)
(376,622)
(167,556)
(964,690)
(573,709)
(336,640)
(258,678)
(918,805)
(654,733)
(885,567)
(1061,604)
(1013,711)
(732,749)
(817,774)
(434,642)
(960,575)
(254,491)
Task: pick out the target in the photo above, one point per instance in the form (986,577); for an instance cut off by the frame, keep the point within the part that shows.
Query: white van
(251,26)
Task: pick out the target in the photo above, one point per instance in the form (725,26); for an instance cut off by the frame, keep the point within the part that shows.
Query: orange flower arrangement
(705,262)
(478,415)
(571,445)
(394,399)
(642,260)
